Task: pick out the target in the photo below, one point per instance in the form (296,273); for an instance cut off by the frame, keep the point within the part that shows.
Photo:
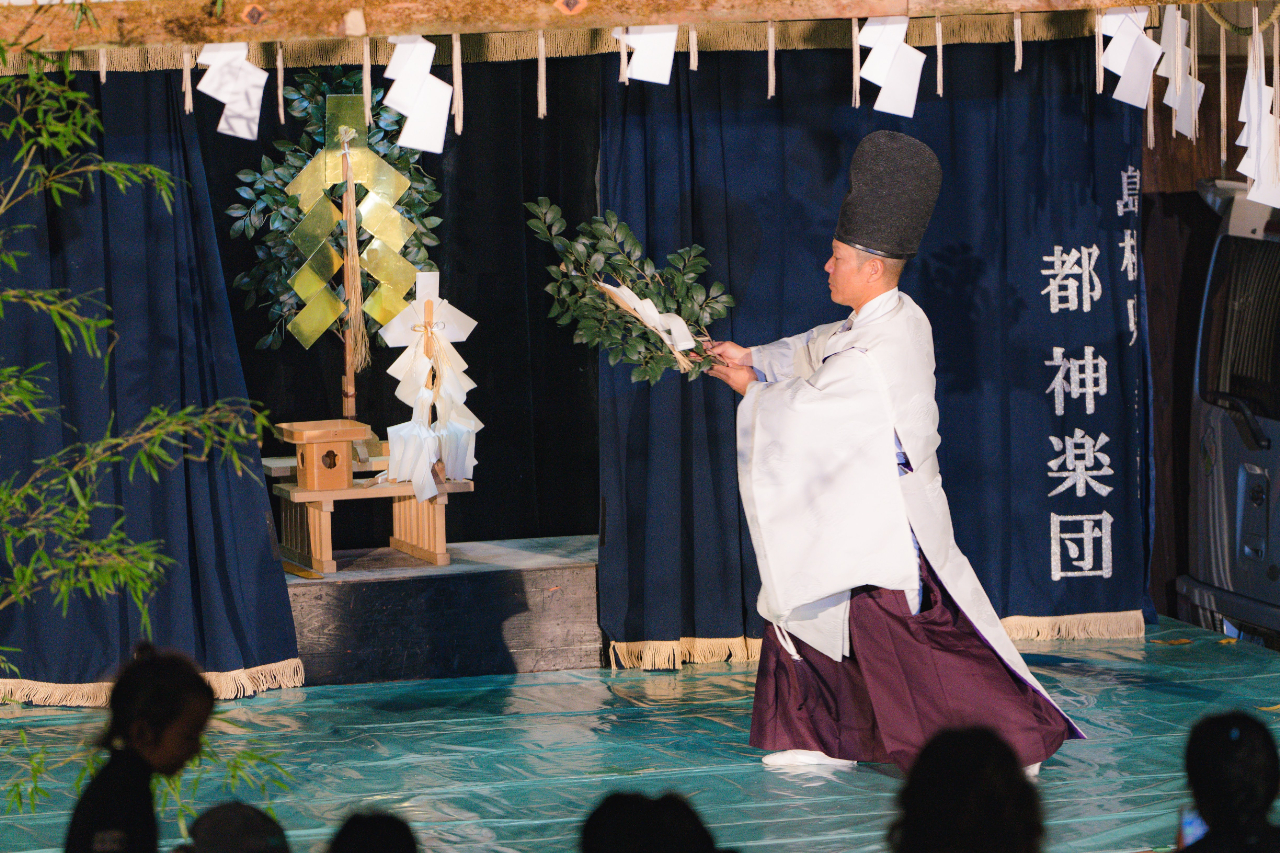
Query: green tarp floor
(514,763)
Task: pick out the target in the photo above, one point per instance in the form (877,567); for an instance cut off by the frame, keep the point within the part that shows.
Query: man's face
(848,276)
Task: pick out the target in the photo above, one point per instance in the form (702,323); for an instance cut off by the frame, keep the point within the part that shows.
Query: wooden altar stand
(306,505)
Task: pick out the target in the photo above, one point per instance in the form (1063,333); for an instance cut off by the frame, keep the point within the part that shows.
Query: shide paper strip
(1174,31)
(1112,18)
(427,120)
(1116,57)
(654,50)
(883,36)
(237,83)
(1186,103)
(411,73)
(404,48)
(670,327)
(1134,87)
(898,95)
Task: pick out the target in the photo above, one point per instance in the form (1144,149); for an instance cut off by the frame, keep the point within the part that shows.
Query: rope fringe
(672,654)
(235,684)
(1123,624)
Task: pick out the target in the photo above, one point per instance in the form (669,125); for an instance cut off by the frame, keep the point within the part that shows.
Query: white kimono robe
(818,473)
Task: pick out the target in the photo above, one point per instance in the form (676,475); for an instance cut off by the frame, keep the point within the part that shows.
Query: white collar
(876,308)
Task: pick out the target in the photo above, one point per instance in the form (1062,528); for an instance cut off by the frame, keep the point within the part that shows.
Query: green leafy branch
(31,773)
(55,128)
(269,212)
(604,249)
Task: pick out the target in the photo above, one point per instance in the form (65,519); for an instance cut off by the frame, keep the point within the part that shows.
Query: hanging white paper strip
(898,95)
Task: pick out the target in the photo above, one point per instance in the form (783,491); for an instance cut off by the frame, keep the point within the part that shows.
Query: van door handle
(1231,401)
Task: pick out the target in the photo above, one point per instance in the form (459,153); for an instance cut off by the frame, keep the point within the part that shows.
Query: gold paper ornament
(381,258)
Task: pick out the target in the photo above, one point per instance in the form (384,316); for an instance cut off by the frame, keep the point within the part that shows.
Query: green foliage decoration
(271,214)
(604,249)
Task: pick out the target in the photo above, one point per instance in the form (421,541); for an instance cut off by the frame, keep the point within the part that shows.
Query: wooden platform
(517,605)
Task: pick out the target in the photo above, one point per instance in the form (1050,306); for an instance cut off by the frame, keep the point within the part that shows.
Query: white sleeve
(796,356)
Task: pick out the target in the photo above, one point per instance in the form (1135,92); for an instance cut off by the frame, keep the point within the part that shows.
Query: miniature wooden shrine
(328,456)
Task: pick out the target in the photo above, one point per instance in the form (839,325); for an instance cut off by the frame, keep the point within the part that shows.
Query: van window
(1240,332)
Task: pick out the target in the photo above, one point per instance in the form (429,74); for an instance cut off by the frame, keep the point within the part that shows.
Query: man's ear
(877,269)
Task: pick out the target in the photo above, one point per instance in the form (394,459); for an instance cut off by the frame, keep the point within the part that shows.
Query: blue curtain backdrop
(225,601)
(1032,169)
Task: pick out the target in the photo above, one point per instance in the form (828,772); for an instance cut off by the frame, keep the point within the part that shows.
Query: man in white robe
(881,633)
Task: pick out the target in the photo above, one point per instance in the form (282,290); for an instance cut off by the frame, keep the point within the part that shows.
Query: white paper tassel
(857,67)
(693,48)
(1222,93)
(622,62)
(937,36)
(102,65)
(368,81)
(457,83)
(773,76)
(1097,47)
(1017,41)
(280,80)
(542,74)
(187,105)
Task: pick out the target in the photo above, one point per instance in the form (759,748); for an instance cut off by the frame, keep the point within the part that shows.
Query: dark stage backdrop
(537,454)
(1032,166)
(159,273)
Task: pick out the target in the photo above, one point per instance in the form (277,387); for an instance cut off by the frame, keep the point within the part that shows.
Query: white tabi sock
(1032,770)
(792,757)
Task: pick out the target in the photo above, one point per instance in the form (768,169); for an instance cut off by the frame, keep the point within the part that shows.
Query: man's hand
(731,353)
(735,376)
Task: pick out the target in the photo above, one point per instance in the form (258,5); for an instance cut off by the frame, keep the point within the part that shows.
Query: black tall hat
(894,181)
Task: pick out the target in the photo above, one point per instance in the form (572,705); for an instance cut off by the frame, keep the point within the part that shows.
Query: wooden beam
(134,23)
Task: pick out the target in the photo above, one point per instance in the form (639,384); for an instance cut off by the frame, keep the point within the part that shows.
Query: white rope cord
(1151,117)
(773,74)
(187,105)
(1275,98)
(457,83)
(1195,70)
(1017,41)
(1097,48)
(937,37)
(1176,76)
(1222,94)
(693,48)
(542,74)
(622,60)
(367,81)
(279,80)
(102,65)
(858,68)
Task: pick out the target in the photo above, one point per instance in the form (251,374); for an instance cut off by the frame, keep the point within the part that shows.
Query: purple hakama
(907,677)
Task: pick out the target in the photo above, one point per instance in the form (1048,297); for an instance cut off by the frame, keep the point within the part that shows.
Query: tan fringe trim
(505,47)
(672,654)
(1078,626)
(226,685)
